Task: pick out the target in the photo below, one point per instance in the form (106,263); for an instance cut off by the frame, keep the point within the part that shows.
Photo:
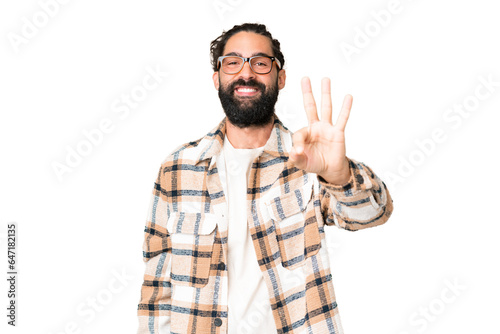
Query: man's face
(246,97)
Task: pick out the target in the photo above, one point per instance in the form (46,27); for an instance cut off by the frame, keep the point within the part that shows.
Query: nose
(246,71)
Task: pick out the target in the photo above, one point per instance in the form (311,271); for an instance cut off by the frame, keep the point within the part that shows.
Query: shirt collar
(278,144)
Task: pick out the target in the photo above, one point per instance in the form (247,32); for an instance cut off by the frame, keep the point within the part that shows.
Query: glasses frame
(273,59)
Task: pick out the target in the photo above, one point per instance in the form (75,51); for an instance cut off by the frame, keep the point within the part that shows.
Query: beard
(245,112)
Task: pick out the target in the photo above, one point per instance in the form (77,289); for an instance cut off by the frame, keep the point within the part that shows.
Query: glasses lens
(231,65)
(261,65)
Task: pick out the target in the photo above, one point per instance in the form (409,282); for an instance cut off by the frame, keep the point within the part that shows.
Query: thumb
(297,157)
(299,139)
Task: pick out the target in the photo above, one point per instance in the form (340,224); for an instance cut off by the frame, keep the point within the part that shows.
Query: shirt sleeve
(155,301)
(364,201)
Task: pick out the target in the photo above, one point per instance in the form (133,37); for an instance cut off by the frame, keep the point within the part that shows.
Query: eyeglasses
(258,64)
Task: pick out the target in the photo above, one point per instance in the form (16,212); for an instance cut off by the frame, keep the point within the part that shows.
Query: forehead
(247,44)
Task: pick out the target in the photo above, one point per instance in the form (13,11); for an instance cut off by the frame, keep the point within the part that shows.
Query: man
(234,241)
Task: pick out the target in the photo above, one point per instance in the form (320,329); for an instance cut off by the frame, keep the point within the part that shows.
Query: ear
(281,79)
(215,78)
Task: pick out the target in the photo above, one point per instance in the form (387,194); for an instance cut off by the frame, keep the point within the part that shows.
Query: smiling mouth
(246,91)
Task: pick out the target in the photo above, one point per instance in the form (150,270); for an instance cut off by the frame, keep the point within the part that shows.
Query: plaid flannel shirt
(185,247)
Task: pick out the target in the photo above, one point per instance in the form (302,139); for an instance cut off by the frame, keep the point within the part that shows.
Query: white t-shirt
(249,310)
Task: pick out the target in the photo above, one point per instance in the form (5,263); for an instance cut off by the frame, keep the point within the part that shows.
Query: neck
(249,137)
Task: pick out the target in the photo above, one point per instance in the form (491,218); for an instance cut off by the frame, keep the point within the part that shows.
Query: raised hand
(320,147)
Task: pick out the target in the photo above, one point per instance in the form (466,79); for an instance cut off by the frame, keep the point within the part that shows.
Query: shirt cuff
(354,186)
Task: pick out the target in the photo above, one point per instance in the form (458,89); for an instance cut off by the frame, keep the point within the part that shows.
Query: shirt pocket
(296,225)
(192,236)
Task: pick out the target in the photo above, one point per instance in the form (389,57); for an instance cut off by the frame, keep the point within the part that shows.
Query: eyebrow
(253,55)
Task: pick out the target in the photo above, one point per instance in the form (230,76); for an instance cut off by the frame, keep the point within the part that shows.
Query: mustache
(249,83)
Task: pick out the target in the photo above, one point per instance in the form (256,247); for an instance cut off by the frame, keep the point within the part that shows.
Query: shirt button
(218,322)
(222,266)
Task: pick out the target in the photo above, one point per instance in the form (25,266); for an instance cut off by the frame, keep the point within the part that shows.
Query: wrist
(338,177)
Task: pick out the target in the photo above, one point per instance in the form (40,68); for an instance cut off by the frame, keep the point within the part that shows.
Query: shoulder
(183,153)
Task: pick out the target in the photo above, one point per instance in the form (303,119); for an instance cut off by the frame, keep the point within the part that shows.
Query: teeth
(247,90)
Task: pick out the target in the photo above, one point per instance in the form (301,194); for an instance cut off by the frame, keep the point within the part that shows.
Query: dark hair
(217,45)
